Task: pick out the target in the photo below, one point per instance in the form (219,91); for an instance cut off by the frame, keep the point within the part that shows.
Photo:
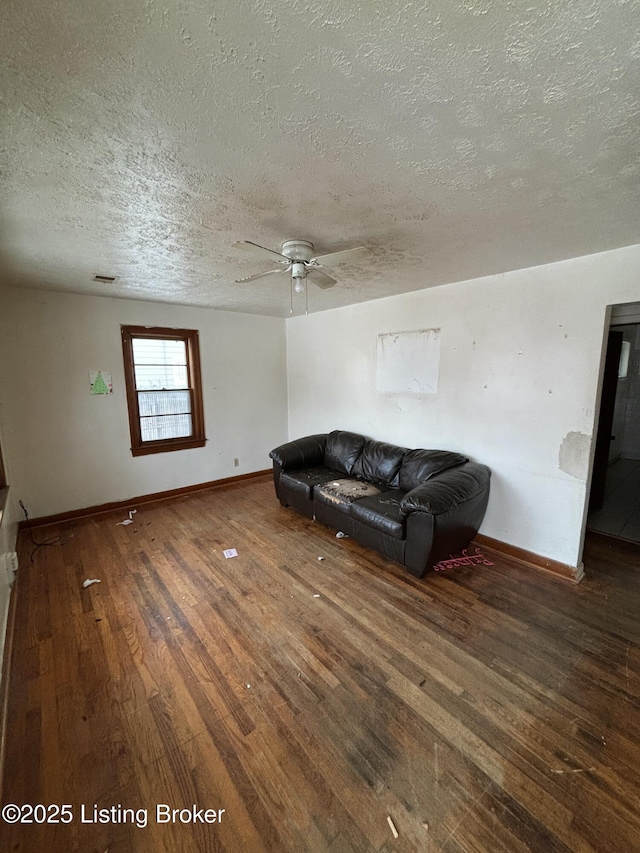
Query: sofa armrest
(447,490)
(302,453)
(444,514)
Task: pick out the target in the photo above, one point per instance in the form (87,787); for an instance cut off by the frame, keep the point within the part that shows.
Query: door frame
(604,424)
(619,321)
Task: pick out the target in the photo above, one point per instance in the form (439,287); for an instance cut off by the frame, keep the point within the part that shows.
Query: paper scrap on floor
(127,520)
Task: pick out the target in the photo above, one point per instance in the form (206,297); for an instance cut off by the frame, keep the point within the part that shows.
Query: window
(164,391)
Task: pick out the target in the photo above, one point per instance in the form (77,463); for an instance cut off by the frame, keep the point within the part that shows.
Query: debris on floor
(127,520)
(230,552)
(316,595)
(392,826)
(89,581)
(463,559)
(341,535)
(321,558)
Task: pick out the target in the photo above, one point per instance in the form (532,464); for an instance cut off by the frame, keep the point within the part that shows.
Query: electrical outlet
(236,462)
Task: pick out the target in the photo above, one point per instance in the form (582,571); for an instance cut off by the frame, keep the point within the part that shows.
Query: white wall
(70,450)
(518,387)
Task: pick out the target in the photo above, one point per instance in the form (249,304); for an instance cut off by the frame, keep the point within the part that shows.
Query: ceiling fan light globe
(298,285)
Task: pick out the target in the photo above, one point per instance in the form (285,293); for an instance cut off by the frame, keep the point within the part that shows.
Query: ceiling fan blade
(342,257)
(320,278)
(248,246)
(259,275)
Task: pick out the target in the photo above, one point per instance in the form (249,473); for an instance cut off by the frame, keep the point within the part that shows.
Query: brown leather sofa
(414,506)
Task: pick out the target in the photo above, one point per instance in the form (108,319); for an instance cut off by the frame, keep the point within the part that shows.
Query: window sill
(167,446)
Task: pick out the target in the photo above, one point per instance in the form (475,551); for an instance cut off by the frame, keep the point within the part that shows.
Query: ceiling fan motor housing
(298,270)
(297,250)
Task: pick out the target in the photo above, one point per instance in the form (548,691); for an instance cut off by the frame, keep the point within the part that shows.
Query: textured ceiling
(456,138)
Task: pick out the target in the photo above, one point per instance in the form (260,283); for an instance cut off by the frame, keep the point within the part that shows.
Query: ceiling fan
(297,258)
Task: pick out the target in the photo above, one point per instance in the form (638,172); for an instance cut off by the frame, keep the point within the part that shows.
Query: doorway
(614,507)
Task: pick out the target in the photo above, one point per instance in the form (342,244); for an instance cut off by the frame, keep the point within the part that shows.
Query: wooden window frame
(194,381)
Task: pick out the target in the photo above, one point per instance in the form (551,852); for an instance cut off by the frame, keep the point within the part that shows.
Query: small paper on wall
(100,382)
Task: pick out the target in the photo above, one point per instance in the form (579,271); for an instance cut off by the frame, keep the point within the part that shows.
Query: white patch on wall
(408,362)
(573,457)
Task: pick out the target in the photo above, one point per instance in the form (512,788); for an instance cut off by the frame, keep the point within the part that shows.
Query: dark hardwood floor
(480,709)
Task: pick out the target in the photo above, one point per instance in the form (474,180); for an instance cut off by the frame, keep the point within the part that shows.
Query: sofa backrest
(379,463)
(386,464)
(342,450)
(418,465)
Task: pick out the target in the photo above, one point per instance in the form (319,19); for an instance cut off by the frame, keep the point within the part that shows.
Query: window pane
(164,403)
(151,377)
(156,351)
(159,363)
(167,426)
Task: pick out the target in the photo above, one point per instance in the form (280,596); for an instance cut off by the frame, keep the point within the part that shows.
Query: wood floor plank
(480,709)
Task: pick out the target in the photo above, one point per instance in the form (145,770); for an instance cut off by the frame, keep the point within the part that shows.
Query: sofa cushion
(342,493)
(302,482)
(382,512)
(379,463)
(418,465)
(342,450)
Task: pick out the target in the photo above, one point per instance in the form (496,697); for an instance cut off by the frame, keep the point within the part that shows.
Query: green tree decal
(100,386)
